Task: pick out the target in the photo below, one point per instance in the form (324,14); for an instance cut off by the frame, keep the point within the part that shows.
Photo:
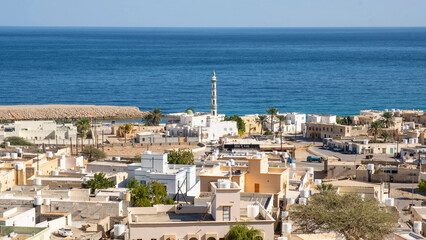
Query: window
(193,238)
(226,211)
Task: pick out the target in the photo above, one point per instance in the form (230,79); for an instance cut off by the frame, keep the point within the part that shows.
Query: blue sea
(310,70)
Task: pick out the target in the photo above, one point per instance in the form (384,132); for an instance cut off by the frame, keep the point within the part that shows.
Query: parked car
(315,159)
(369,157)
(65,232)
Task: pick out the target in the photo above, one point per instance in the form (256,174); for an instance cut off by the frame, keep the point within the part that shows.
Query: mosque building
(206,126)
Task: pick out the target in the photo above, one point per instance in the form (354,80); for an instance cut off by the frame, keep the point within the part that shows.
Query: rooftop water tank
(14,155)
(7,155)
(292,165)
(19,166)
(282,238)
(55,172)
(49,154)
(290,201)
(286,227)
(252,211)
(38,200)
(119,229)
(37,181)
(39,172)
(284,214)
(304,193)
(18,150)
(390,202)
(370,167)
(82,171)
(311,170)
(417,226)
(224,183)
(318,181)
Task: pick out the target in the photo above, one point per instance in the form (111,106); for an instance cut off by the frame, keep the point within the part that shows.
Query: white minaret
(214,96)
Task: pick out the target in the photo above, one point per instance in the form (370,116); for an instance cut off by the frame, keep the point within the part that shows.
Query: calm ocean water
(329,70)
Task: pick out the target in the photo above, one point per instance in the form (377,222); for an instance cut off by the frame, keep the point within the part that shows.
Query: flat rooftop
(172,217)
(421,211)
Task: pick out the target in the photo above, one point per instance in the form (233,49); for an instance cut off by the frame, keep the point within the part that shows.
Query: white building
(330,119)
(154,167)
(205,126)
(17,216)
(293,123)
(38,130)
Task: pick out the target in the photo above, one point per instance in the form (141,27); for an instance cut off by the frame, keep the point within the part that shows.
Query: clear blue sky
(214,13)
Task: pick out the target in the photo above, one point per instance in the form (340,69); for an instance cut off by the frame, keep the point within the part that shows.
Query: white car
(65,232)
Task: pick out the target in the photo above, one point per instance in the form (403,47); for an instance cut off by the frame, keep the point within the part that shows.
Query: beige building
(209,222)
(373,190)
(318,130)
(251,124)
(256,177)
(386,173)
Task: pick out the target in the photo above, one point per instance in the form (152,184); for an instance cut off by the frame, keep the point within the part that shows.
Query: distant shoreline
(62,111)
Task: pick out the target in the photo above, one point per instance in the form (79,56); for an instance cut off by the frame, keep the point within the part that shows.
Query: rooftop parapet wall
(44,112)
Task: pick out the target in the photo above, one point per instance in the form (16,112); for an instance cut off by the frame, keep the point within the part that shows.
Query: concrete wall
(7,179)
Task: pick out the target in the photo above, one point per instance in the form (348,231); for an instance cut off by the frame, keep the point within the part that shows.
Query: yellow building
(256,177)
(251,125)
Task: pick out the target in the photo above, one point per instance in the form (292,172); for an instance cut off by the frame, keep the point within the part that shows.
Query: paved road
(405,194)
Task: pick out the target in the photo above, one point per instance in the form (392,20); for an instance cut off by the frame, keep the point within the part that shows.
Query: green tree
(133,183)
(125,129)
(261,119)
(325,187)
(340,120)
(375,128)
(153,118)
(388,119)
(145,196)
(16,141)
(422,185)
(281,119)
(185,157)
(92,153)
(158,193)
(385,136)
(348,215)
(272,112)
(141,196)
(83,126)
(99,182)
(242,232)
(241,125)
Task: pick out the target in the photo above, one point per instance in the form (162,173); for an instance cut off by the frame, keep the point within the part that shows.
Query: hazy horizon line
(76,26)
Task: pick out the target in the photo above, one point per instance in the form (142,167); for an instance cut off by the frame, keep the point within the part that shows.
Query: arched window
(193,238)
(211,238)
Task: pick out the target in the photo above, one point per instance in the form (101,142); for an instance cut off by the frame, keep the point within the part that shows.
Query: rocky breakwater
(43,112)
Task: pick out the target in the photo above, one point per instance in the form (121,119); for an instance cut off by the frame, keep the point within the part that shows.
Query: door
(256,187)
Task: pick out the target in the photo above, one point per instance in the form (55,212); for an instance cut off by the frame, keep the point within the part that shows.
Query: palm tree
(375,128)
(281,119)
(388,119)
(272,112)
(126,128)
(324,187)
(153,118)
(83,125)
(242,232)
(261,119)
(385,136)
